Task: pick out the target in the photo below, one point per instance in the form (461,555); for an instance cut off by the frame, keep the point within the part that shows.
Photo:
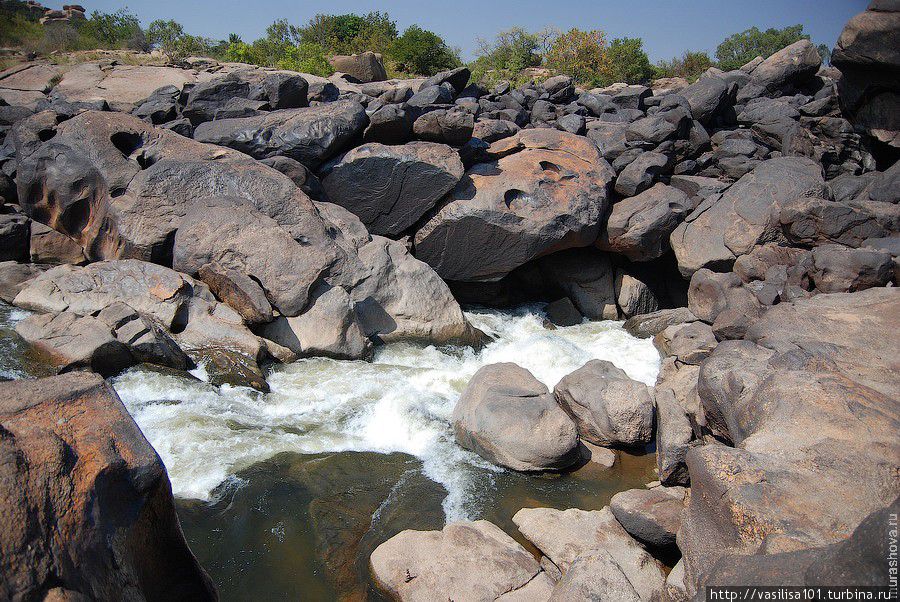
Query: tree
(503,59)
(351,33)
(741,48)
(825,53)
(423,52)
(306,57)
(690,66)
(627,62)
(579,54)
(115,30)
(170,38)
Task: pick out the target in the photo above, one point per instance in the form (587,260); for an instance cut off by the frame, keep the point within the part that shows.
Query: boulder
(689,343)
(674,437)
(708,97)
(807,466)
(72,342)
(389,124)
(88,507)
(402,183)
(839,269)
(206,98)
(402,299)
(788,69)
(652,516)
(329,327)
(595,576)
(239,290)
(563,312)
(641,173)
(51,247)
(608,407)
(365,67)
(471,561)
(867,57)
(310,135)
(633,296)
(120,187)
(639,227)
(545,192)
(509,418)
(14,276)
(15,235)
(747,214)
(648,325)
(564,536)
(491,130)
(447,126)
(587,277)
(457,78)
(229,233)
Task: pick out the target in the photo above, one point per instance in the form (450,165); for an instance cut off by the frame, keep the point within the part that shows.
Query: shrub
(581,55)
(120,29)
(503,59)
(628,62)
(351,33)
(306,57)
(422,52)
(741,48)
(690,66)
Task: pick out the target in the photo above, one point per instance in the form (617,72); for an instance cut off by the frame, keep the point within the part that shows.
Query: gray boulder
(707,97)
(839,269)
(639,227)
(649,325)
(310,135)
(390,187)
(608,407)
(509,418)
(652,516)
(464,561)
(641,173)
(784,71)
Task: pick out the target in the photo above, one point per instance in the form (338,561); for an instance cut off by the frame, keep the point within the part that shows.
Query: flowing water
(285,494)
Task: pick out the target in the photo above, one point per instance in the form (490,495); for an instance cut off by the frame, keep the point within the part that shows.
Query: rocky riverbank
(231,220)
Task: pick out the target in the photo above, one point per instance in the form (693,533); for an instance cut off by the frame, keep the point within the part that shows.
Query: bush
(690,66)
(741,48)
(581,55)
(628,62)
(422,52)
(120,29)
(351,33)
(504,58)
(170,38)
(306,57)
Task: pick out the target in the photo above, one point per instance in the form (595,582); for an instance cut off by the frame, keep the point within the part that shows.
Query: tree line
(586,55)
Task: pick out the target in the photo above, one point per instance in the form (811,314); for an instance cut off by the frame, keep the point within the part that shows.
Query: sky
(668,27)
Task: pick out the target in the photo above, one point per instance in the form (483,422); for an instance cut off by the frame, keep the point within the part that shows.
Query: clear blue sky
(668,27)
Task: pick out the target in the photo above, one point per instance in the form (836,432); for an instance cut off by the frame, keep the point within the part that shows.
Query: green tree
(741,48)
(690,66)
(628,62)
(351,33)
(306,57)
(120,29)
(506,56)
(423,52)
(825,53)
(581,55)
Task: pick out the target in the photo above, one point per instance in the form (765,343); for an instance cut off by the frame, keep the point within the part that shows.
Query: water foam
(400,402)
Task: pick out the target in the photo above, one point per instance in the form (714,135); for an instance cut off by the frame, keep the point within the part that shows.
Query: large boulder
(639,227)
(564,536)
(868,58)
(811,412)
(510,418)
(229,233)
(365,67)
(652,516)
(311,135)
(390,187)
(120,187)
(782,73)
(402,299)
(608,407)
(87,505)
(544,192)
(465,561)
(707,97)
(726,226)
(839,269)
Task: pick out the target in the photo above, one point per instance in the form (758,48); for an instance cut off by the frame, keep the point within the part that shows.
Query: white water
(400,402)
